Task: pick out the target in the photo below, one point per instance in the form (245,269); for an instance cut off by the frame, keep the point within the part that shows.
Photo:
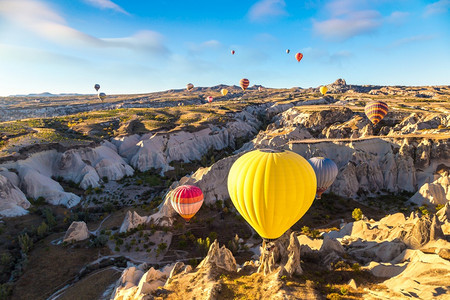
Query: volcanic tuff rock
(218,258)
(77,231)
(84,166)
(13,202)
(158,150)
(132,220)
(135,283)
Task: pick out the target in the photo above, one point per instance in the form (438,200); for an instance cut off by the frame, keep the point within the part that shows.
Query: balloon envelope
(209,98)
(97,87)
(189,86)
(232,51)
(326,172)
(224,92)
(101,96)
(260,88)
(376,111)
(186,200)
(271,189)
(244,83)
(287,51)
(323,90)
(298,56)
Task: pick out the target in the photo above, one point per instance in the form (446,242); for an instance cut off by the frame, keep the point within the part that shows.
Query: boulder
(77,231)
(331,245)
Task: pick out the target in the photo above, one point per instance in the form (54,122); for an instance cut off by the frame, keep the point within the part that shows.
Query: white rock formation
(218,257)
(13,202)
(36,184)
(135,283)
(132,220)
(77,231)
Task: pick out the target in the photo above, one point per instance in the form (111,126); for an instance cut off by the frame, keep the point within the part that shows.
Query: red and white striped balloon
(187,200)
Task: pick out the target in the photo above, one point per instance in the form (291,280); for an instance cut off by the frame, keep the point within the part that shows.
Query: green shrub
(42,230)
(25,243)
(6,259)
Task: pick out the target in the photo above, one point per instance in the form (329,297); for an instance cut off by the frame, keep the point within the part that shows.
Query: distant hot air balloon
(326,172)
(97,87)
(209,98)
(376,111)
(224,92)
(101,96)
(186,200)
(298,56)
(260,88)
(232,52)
(189,86)
(271,189)
(323,90)
(287,51)
(244,83)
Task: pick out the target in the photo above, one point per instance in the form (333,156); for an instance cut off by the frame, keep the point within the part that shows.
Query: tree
(357,214)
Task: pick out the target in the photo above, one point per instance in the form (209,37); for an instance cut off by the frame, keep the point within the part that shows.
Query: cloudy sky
(132,46)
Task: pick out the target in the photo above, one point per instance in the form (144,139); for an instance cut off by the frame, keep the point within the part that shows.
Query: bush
(357,214)
(203,244)
(42,230)
(6,259)
(99,241)
(49,217)
(25,243)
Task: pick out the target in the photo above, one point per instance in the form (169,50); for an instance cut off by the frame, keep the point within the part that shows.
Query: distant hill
(47,94)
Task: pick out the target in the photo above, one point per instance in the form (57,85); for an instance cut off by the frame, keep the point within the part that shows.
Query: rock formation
(77,231)
(132,220)
(13,202)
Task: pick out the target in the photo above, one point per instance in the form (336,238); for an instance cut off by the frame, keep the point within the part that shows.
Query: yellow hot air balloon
(272,189)
(323,90)
(224,92)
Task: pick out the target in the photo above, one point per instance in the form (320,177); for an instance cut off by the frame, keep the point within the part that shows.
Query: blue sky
(143,46)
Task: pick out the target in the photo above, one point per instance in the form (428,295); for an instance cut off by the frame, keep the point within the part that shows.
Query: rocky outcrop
(136,283)
(13,202)
(292,266)
(84,166)
(436,192)
(160,149)
(132,220)
(77,231)
(218,258)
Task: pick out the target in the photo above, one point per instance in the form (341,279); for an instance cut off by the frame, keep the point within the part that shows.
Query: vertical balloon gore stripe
(376,111)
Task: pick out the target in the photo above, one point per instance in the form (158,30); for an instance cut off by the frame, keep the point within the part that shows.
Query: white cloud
(198,48)
(397,17)
(264,9)
(348,25)
(106,4)
(438,7)
(408,40)
(40,19)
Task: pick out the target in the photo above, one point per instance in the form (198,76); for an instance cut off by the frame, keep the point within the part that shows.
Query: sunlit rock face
(38,174)
(158,150)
